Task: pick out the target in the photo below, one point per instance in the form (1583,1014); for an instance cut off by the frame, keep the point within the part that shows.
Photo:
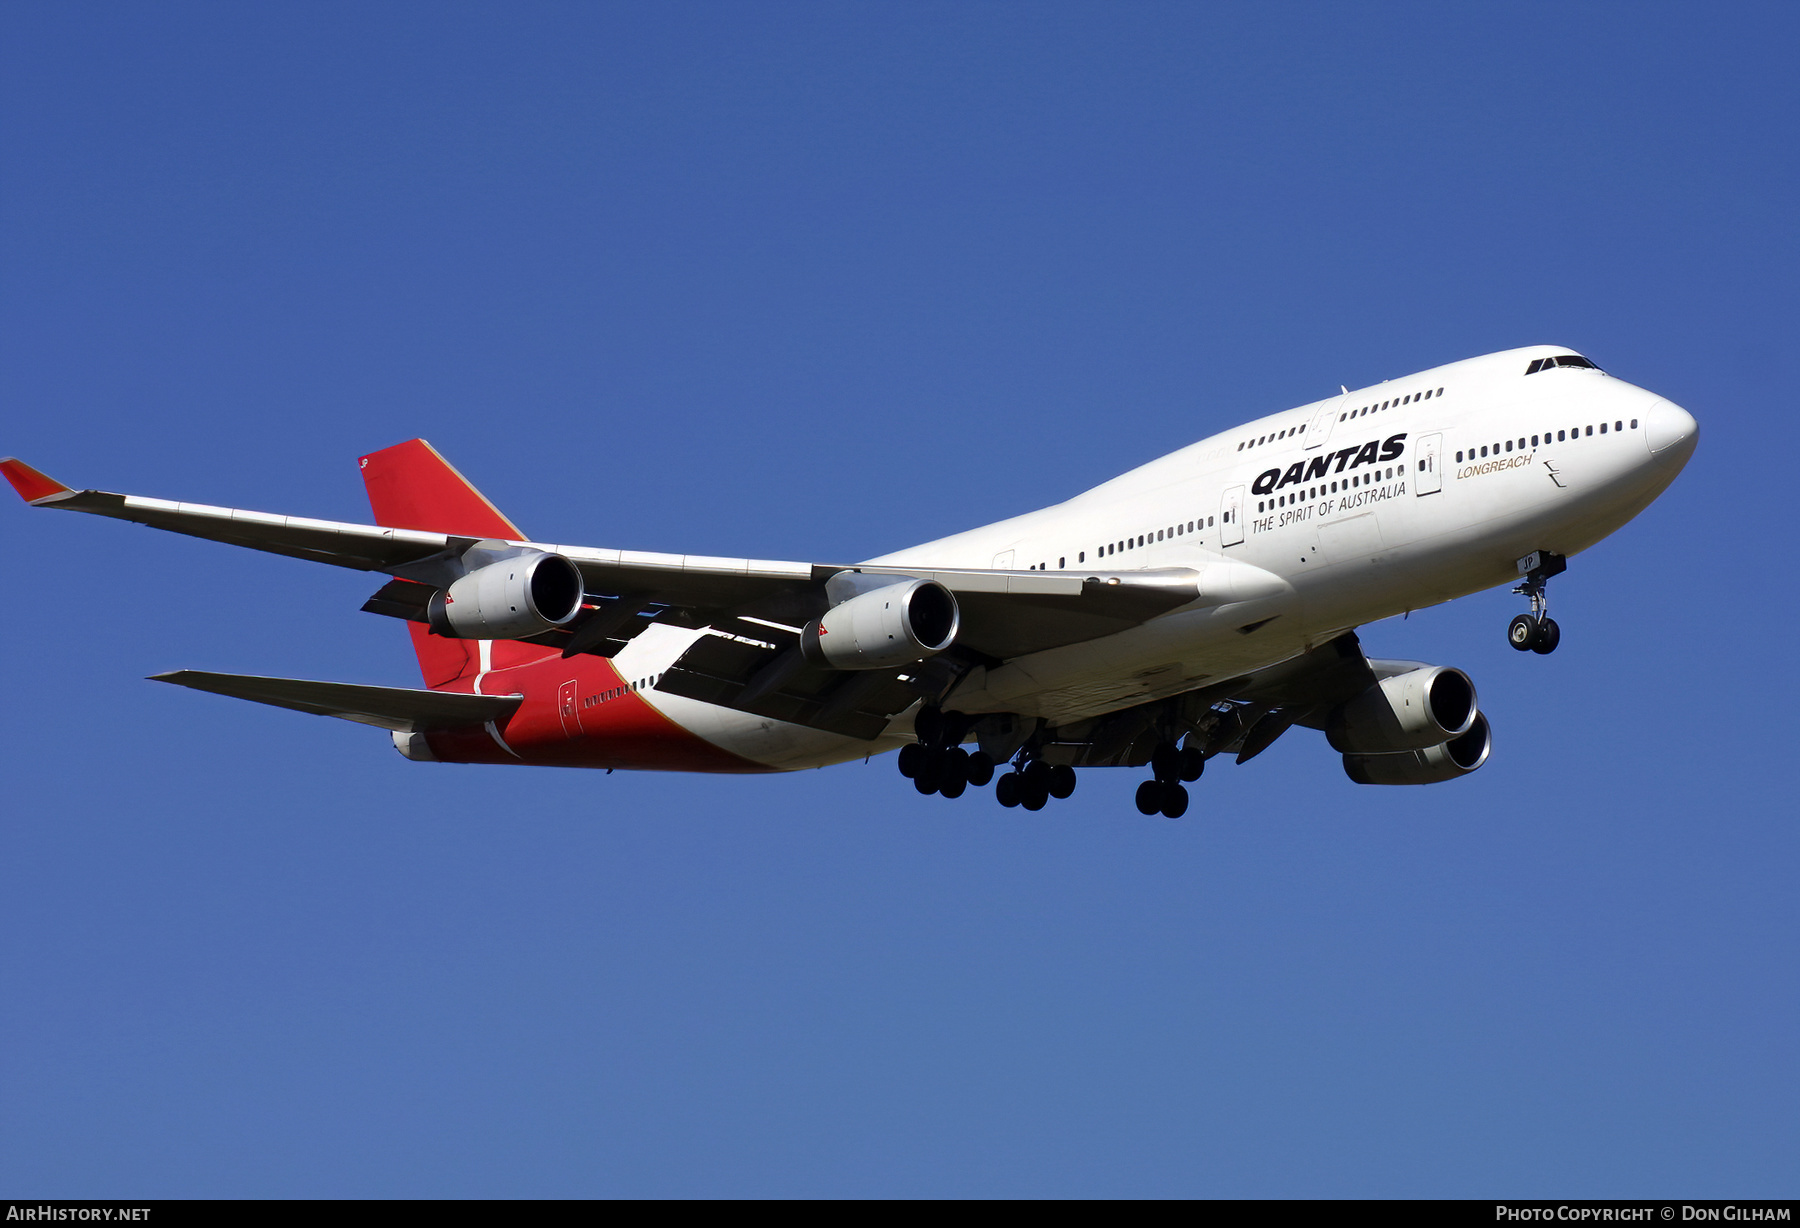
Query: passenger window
(1618,426)
(1561,435)
(1459,458)
(1484,449)
(1081,557)
(1440,392)
(1590,430)
(1534,441)
(1603,428)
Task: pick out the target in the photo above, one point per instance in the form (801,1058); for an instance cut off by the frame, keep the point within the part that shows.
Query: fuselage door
(1323,421)
(1427,480)
(1231,517)
(567,707)
(1003,561)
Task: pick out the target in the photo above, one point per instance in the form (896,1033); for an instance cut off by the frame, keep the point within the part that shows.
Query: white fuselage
(1303,525)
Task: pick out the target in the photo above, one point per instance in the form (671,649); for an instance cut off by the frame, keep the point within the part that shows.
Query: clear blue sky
(817,281)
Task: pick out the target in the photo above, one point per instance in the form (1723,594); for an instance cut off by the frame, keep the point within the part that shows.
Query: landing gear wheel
(925,784)
(1174,801)
(1034,798)
(1037,777)
(1149,797)
(1062,781)
(953,768)
(953,787)
(909,759)
(981,769)
(1521,632)
(1549,635)
(1006,792)
(1165,762)
(1193,762)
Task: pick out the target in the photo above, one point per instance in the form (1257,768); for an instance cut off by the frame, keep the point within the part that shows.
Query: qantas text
(1371,453)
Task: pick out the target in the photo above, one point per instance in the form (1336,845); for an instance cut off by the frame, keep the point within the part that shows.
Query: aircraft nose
(1671,433)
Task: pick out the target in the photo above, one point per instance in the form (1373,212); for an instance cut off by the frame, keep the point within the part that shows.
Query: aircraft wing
(404,709)
(1004,613)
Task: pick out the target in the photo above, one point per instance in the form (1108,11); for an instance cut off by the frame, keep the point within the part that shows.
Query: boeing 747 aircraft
(1202,604)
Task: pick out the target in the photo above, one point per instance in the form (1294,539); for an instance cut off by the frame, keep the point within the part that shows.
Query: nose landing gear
(1537,631)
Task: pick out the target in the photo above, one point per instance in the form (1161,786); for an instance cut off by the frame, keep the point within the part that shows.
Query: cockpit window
(1561,360)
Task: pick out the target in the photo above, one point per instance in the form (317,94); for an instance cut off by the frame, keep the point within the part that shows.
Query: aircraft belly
(1165,656)
(777,745)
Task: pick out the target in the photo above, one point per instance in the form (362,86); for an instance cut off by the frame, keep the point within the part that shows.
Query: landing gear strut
(1537,631)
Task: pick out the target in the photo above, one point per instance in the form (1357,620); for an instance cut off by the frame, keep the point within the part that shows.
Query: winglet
(33,487)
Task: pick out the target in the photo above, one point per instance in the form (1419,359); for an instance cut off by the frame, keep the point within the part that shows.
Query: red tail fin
(412,487)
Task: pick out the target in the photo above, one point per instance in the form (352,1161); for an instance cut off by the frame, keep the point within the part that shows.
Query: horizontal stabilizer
(388,707)
(33,487)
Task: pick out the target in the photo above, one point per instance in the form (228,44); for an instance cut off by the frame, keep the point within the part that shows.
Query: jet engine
(1446,761)
(1420,708)
(892,625)
(517,597)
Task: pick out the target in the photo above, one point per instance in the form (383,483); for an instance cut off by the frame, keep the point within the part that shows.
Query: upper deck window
(1560,360)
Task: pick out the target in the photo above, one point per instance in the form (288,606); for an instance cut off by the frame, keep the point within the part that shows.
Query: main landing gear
(948,770)
(1163,794)
(1537,631)
(1033,783)
(937,763)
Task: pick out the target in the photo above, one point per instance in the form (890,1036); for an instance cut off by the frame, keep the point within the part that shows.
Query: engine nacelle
(1410,711)
(1445,761)
(888,626)
(509,600)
